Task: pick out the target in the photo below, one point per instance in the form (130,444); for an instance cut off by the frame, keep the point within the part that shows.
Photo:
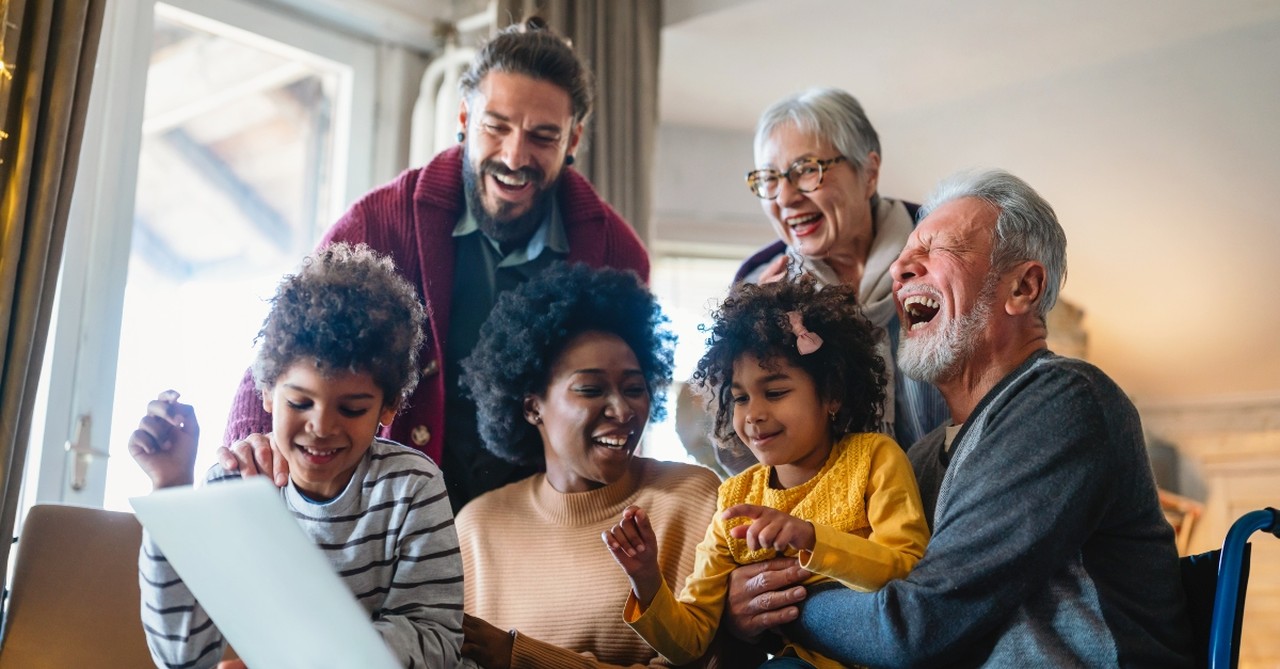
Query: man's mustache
(531,174)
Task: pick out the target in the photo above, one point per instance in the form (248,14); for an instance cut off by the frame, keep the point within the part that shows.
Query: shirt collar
(549,235)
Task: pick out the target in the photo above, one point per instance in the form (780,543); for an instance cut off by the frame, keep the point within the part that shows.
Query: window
(253,137)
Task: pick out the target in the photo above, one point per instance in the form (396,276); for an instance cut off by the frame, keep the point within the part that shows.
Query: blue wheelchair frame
(1228,589)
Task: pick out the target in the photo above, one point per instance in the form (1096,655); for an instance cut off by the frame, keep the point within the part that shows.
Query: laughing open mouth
(614,442)
(919,310)
(511,179)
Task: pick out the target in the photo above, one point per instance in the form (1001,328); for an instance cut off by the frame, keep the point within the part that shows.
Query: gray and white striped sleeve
(179,632)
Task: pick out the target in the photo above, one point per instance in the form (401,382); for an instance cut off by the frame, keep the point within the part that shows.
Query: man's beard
(939,356)
(500,225)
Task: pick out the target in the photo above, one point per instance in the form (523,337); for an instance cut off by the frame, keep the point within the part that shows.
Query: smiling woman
(569,368)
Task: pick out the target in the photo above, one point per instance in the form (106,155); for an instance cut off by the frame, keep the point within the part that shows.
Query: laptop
(271,592)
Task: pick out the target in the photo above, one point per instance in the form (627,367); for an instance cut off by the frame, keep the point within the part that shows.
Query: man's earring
(833,415)
(462,136)
(568,160)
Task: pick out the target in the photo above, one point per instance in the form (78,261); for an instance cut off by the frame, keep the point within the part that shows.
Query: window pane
(688,289)
(235,176)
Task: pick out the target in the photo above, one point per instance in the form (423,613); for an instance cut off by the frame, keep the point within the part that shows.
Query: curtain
(619,40)
(48,47)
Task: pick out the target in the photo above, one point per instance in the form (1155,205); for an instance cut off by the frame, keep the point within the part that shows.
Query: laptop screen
(270,591)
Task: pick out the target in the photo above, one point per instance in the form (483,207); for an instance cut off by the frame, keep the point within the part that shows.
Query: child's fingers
(618,540)
(645,529)
(158,429)
(185,417)
(629,530)
(282,463)
(227,459)
(752,511)
(765,534)
(142,442)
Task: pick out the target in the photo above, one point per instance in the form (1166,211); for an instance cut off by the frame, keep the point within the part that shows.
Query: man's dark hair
(534,50)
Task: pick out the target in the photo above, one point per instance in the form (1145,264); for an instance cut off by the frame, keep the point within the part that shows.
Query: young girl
(791,373)
(337,356)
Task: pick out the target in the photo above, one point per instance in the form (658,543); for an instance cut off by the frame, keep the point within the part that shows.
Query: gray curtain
(619,40)
(50,47)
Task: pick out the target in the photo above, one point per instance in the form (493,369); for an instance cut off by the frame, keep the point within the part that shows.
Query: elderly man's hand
(763,596)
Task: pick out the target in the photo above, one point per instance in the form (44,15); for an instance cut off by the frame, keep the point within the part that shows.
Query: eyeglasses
(805,175)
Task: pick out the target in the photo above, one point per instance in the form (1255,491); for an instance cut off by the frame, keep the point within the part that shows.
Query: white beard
(938,356)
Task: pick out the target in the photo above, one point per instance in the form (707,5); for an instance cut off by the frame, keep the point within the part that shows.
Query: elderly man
(1049,547)
(478,220)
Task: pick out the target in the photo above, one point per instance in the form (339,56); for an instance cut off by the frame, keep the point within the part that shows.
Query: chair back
(75,600)
(1200,581)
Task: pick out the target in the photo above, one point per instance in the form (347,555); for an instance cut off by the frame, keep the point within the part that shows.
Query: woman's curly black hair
(530,326)
(754,319)
(350,311)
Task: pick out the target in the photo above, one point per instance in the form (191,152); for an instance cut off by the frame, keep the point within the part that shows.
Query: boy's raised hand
(634,546)
(770,528)
(164,444)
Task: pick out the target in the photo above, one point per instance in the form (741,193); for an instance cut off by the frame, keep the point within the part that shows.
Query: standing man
(1049,548)
(478,220)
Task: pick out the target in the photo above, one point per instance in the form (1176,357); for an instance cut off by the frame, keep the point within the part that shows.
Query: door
(222,140)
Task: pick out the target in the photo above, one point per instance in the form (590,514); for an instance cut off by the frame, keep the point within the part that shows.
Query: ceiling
(1152,126)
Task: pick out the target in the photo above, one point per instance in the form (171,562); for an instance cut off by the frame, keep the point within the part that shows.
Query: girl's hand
(634,546)
(164,444)
(487,645)
(770,528)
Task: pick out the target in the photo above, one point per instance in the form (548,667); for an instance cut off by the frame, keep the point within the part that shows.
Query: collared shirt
(549,235)
(482,271)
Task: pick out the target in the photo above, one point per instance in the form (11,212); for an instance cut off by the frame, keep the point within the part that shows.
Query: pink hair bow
(806,342)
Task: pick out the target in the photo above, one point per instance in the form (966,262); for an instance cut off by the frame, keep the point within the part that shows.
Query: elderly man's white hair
(1026,227)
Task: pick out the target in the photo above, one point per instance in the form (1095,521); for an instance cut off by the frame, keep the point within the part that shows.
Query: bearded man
(477,221)
(1049,548)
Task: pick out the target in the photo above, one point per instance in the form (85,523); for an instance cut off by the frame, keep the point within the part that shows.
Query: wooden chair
(75,601)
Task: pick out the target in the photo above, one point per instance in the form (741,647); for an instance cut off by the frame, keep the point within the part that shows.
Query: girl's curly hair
(530,326)
(350,311)
(754,319)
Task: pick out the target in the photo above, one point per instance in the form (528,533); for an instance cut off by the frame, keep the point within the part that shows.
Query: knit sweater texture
(390,537)
(534,561)
(412,220)
(1049,548)
(869,528)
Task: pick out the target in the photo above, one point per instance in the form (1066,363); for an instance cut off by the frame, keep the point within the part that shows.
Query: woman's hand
(487,645)
(164,444)
(634,546)
(770,528)
(255,455)
(775,270)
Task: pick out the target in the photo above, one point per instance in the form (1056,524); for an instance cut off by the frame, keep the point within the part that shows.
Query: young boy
(337,357)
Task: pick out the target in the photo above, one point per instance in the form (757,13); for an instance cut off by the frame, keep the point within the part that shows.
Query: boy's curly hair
(530,326)
(350,311)
(753,319)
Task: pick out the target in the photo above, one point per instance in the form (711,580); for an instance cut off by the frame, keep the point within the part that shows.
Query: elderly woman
(817,167)
(569,368)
